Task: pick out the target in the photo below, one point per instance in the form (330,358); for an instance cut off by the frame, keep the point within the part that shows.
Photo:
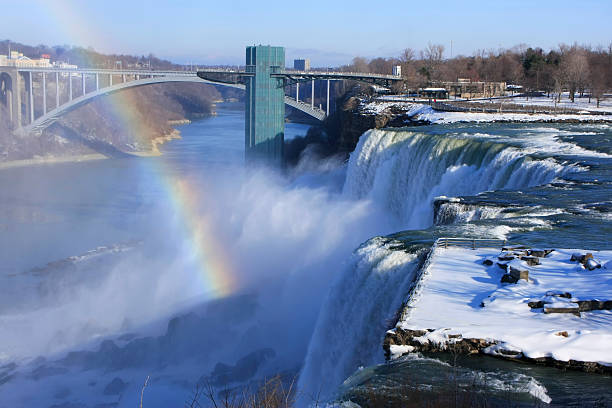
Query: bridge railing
(472,243)
(104,71)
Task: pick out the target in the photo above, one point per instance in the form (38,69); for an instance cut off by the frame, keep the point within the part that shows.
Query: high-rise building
(301,64)
(265,104)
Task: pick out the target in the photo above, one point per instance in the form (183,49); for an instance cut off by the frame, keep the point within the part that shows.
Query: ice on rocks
(460,295)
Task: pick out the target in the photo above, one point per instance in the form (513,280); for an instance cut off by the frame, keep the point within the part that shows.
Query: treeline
(572,68)
(87,57)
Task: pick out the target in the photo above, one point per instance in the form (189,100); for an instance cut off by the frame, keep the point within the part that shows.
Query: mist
(284,238)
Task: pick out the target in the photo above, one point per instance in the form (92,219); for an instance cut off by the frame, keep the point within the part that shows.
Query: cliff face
(354,117)
(121,123)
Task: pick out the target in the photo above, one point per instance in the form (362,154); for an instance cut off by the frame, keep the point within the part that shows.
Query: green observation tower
(264,105)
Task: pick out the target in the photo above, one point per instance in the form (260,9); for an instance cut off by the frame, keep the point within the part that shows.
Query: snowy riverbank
(461,305)
(419,112)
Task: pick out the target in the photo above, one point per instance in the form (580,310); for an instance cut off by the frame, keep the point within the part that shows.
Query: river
(190,268)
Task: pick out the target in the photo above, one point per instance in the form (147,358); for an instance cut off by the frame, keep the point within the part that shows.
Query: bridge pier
(57,96)
(10,82)
(30,98)
(312,94)
(44,86)
(70,86)
(327,104)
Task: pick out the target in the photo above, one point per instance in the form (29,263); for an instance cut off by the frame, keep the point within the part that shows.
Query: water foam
(402,172)
(351,326)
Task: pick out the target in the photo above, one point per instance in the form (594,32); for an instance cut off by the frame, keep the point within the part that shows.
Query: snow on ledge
(460,295)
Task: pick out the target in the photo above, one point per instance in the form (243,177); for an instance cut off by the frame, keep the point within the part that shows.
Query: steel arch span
(53,115)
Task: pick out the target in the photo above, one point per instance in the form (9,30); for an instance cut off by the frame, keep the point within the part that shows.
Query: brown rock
(590,305)
(536,304)
(531,260)
(519,273)
(573,310)
(507,278)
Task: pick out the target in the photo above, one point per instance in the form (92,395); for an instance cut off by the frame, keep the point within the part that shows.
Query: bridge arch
(53,115)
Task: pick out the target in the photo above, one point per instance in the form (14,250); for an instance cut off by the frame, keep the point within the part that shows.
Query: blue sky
(328,32)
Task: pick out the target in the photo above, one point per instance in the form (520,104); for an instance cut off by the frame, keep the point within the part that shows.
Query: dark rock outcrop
(458,344)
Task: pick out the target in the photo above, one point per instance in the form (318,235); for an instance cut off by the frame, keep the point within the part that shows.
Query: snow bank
(433,116)
(418,111)
(460,295)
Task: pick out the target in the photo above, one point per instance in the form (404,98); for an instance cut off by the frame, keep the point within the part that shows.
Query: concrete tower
(265,105)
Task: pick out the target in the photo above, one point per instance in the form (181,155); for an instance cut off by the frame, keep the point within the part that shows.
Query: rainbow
(215,269)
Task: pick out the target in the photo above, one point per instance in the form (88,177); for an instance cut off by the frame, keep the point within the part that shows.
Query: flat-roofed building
(301,64)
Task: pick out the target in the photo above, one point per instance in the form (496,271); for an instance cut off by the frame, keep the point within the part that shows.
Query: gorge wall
(121,123)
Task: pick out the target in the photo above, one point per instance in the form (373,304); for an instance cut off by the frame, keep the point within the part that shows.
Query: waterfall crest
(403,171)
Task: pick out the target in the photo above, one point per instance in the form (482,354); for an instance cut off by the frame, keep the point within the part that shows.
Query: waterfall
(455,212)
(361,304)
(403,171)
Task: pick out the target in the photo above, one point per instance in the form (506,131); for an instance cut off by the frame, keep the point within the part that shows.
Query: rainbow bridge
(264,79)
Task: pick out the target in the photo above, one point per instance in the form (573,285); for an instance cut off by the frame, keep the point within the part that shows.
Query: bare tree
(433,56)
(599,76)
(360,64)
(575,68)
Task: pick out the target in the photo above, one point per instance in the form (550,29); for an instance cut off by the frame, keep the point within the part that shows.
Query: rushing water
(190,268)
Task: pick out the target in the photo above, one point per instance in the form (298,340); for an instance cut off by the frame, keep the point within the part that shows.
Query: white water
(402,172)
(351,325)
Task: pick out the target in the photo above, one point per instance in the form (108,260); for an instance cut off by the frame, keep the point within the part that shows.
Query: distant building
(18,60)
(64,65)
(397,70)
(465,88)
(514,88)
(433,93)
(301,64)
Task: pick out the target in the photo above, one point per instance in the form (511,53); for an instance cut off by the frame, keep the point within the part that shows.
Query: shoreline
(35,161)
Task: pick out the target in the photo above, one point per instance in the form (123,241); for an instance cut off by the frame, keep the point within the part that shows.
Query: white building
(18,60)
(397,70)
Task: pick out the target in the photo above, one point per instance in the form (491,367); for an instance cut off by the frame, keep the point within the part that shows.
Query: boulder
(591,264)
(576,257)
(563,309)
(590,305)
(507,278)
(531,260)
(505,257)
(555,293)
(514,248)
(535,304)
(519,273)
(487,262)
(503,266)
(536,252)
